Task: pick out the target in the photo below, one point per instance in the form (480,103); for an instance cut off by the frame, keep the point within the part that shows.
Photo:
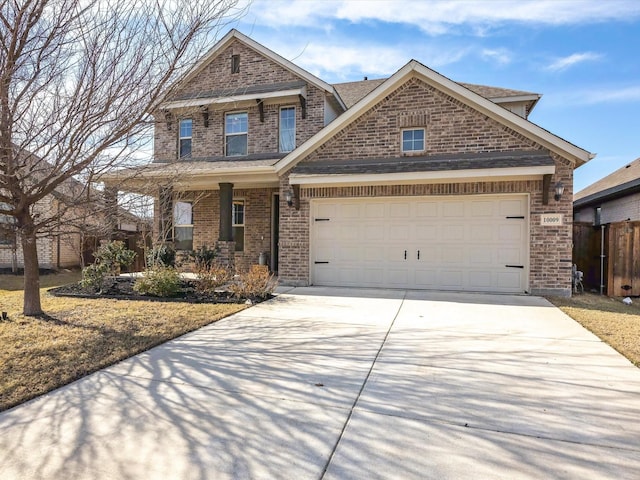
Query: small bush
(93,276)
(257,283)
(203,257)
(161,256)
(213,277)
(159,282)
(110,258)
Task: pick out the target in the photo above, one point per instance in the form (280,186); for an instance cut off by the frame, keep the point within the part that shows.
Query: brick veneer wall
(451,127)
(262,136)
(257,231)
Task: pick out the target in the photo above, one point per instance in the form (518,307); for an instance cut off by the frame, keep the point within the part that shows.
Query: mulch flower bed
(121,288)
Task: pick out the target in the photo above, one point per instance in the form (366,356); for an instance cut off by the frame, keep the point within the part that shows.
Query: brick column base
(226,253)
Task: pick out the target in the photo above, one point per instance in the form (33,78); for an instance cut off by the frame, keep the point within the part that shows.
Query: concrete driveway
(347,384)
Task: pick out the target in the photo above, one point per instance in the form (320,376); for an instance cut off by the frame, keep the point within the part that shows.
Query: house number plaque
(551,219)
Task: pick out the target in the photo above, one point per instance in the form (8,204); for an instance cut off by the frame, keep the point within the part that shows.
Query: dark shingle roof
(352,92)
(428,163)
(626,174)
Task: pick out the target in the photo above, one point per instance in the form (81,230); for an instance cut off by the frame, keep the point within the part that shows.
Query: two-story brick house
(413,181)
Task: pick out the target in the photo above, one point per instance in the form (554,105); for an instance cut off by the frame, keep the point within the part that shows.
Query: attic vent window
(413,140)
(235,63)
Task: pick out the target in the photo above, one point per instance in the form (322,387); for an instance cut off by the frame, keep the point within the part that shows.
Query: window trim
(182,225)
(227,135)
(413,129)
(181,138)
(280,131)
(235,225)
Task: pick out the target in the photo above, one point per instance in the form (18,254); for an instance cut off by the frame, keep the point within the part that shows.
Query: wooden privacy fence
(624,259)
(621,257)
(586,254)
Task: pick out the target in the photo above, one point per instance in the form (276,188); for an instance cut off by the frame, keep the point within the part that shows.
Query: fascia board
(484,174)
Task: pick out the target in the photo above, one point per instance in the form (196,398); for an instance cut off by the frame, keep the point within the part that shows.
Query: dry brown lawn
(80,336)
(614,322)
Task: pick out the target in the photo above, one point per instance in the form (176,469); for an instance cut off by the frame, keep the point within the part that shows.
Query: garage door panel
(465,243)
(426,210)
(481,232)
(482,208)
(452,233)
(453,209)
(374,211)
(452,279)
(480,279)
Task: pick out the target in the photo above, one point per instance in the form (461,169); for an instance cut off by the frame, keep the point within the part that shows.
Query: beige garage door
(472,243)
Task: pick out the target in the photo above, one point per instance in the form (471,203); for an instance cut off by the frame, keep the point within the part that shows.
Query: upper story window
(238,224)
(183,225)
(287,140)
(413,140)
(185,137)
(235,63)
(235,131)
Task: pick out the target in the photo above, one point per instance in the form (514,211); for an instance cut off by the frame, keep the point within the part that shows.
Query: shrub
(257,283)
(159,282)
(110,258)
(203,257)
(93,276)
(163,255)
(213,277)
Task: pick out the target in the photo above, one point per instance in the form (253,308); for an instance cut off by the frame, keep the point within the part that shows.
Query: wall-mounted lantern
(558,190)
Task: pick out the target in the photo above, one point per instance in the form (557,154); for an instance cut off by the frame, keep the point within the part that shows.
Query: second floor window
(184,142)
(235,131)
(287,129)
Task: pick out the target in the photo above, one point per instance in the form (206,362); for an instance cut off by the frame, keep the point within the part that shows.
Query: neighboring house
(413,181)
(69,241)
(606,218)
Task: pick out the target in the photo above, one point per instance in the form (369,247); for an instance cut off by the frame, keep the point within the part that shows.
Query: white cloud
(500,55)
(439,16)
(339,61)
(593,96)
(571,60)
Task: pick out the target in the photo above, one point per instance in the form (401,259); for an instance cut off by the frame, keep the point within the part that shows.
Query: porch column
(226,245)
(226,212)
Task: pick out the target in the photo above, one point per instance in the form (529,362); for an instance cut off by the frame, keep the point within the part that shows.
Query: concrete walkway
(347,384)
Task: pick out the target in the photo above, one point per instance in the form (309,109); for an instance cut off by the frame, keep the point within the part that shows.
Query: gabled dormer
(242,101)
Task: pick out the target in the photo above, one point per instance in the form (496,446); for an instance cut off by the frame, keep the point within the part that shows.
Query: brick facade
(262,135)
(451,127)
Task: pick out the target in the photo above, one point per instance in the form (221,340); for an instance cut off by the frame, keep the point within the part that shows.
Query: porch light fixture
(558,191)
(292,197)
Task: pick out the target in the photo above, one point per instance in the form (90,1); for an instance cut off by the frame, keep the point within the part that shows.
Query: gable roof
(623,181)
(576,155)
(352,92)
(235,35)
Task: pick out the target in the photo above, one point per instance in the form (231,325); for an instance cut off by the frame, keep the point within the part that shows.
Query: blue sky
(582,55)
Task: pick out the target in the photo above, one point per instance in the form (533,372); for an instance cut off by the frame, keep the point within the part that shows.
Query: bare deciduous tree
(78,80)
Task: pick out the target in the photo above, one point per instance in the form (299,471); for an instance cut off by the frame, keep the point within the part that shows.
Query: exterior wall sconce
(168,118)
(558,190)
(292,197)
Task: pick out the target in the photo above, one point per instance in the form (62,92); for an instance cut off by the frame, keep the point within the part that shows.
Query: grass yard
(614,322)
(81,336)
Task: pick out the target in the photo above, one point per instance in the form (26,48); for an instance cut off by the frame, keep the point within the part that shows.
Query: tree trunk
(32,305)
